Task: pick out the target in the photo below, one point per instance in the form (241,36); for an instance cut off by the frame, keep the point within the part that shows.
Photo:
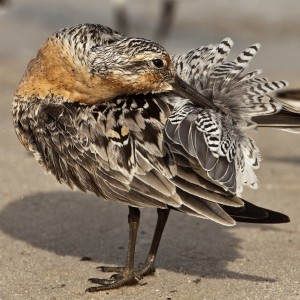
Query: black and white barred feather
(219,141)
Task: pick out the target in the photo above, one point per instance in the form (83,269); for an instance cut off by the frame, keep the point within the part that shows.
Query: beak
(182,89)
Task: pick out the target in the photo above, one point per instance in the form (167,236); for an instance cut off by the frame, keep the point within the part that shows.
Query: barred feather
(239,96)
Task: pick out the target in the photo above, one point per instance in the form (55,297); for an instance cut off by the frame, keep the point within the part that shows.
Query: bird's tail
(250,213)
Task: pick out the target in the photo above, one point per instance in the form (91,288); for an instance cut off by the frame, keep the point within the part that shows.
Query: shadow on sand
(77,224)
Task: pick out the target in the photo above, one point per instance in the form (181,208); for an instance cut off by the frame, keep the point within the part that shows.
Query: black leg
(127,275)
(162,217)
(134,221)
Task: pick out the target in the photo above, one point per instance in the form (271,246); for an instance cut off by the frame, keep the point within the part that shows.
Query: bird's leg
(162,217)
(148,267)
(126,275)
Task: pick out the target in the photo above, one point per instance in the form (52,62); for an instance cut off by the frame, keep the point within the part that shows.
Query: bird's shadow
(81,225)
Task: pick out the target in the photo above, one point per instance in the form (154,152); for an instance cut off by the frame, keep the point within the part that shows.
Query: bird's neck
(55,72)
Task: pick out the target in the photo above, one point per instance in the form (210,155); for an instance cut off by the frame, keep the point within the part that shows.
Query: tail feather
(291,94)
(288,117)
(283,119)
(251,213)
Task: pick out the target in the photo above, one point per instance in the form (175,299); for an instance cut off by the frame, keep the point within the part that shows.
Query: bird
(165,22)
(122,118)
(4,4)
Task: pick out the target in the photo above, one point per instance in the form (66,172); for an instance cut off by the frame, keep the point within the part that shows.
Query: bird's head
(132,66)
(82,65)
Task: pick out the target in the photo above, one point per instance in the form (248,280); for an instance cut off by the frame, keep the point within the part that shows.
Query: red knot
(121,118)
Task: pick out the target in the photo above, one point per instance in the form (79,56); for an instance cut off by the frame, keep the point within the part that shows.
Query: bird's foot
(117,280)
(122,277)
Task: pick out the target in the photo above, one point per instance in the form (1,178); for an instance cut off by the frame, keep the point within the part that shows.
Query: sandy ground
(45,229)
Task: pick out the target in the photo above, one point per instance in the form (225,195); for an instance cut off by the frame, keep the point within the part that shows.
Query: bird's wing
(95,149)
(118,152)
(195,135)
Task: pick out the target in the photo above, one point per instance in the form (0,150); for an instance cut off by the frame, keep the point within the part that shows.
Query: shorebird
(121,118)
(165,22)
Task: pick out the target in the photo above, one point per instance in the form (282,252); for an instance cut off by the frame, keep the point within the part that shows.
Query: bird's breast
(56,72)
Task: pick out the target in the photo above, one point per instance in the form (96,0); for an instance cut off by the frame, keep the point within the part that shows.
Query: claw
(107,284)
(101,281)
(92,289)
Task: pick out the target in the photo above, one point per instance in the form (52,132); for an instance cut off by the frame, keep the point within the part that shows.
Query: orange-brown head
(92,64)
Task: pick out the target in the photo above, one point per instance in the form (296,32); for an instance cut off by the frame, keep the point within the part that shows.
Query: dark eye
(158,63)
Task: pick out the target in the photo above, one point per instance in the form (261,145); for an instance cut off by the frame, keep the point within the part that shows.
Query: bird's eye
(158,63)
